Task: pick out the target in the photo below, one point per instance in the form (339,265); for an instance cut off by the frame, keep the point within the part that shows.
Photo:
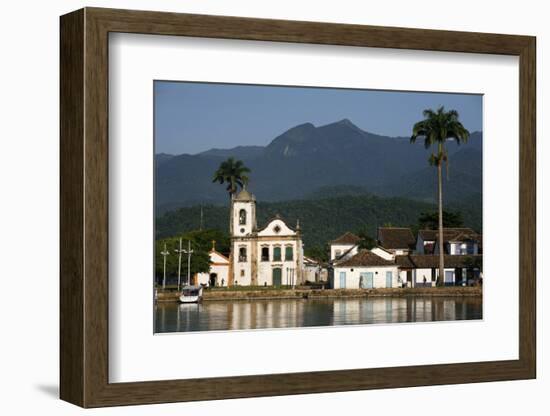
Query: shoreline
(286,294)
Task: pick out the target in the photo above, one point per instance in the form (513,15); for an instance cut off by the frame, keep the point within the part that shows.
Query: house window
(242,273)
(338,253)
(276,253)
(265,253)
(242,217)
(242,254)
(289,253)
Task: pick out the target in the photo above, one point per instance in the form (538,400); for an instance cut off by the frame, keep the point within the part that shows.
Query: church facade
(267,256)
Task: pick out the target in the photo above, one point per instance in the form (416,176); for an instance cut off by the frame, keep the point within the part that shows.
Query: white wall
(242,269)
(341,249)
(353,276)
(420,274)
(455,248)
(246,228)
(383,253)
(221,270)
(29,183)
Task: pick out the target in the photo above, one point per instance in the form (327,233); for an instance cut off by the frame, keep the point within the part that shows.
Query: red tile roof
(346,239)
(365,258)
(396,238)
(423,261)
(450,234)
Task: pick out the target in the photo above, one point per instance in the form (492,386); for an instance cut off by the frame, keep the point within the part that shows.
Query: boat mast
(164,255)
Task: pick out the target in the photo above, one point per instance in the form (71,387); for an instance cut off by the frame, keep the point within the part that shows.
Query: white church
(270,256)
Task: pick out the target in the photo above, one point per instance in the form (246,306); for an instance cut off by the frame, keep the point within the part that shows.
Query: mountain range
(314,162)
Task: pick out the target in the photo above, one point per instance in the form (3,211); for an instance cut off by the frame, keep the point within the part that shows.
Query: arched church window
(242,254)
(242,217)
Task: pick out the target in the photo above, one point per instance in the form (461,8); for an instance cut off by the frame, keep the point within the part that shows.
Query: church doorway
(213,281)
(277,276)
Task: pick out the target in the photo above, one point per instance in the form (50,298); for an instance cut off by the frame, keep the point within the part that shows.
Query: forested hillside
(321,220)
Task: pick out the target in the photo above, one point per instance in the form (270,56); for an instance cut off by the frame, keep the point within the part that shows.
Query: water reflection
(227,315)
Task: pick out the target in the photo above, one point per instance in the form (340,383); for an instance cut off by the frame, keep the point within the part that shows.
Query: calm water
(227,315)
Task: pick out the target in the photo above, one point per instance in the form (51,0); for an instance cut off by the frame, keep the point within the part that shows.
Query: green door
(277,276)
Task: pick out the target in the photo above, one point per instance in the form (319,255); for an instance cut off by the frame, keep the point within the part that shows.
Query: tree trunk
(230,277)
(441,277)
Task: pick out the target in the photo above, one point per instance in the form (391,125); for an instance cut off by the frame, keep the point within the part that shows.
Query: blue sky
(194,117)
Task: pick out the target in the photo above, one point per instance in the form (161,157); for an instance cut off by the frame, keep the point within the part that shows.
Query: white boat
(191,294)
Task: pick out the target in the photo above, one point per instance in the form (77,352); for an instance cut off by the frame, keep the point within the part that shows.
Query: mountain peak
(303,126)
(346,122)
(344,127)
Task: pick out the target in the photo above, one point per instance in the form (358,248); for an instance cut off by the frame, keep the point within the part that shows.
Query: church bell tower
(244,214)
(243,241)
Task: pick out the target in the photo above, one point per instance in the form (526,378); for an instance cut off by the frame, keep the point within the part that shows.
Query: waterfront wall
(217,295)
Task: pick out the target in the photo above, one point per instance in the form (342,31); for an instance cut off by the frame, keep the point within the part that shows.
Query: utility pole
(179,251)
(164,254)
(188,252)
(200,227)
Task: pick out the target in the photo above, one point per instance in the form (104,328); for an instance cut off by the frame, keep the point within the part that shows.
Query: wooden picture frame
(84,207)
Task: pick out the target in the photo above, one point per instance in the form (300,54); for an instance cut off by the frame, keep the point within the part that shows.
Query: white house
(365,270)
(344,247)
(219,270)
(423,270)
(272,255)
(456,241)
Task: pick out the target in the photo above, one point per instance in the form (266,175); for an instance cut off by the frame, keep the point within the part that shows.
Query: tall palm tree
(436,128)
(234,174)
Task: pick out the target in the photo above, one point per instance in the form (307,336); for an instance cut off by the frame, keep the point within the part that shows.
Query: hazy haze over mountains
(303,161)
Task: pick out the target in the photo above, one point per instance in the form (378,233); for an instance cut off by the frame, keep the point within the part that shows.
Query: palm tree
(436,128)
(234,173)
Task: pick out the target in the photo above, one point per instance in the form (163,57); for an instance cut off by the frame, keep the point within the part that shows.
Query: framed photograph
(254,207)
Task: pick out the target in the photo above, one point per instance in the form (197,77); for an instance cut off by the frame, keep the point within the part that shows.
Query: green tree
(436,128)
(318,252)
(200,260)
(429,220)
(235,174)
(202,242)
(366,242)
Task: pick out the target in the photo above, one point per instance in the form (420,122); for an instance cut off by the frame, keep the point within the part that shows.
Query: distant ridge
(305,159)
(241,152)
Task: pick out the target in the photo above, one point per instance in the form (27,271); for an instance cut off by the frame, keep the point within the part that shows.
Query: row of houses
(401,260)
(398,260)
(273,255)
